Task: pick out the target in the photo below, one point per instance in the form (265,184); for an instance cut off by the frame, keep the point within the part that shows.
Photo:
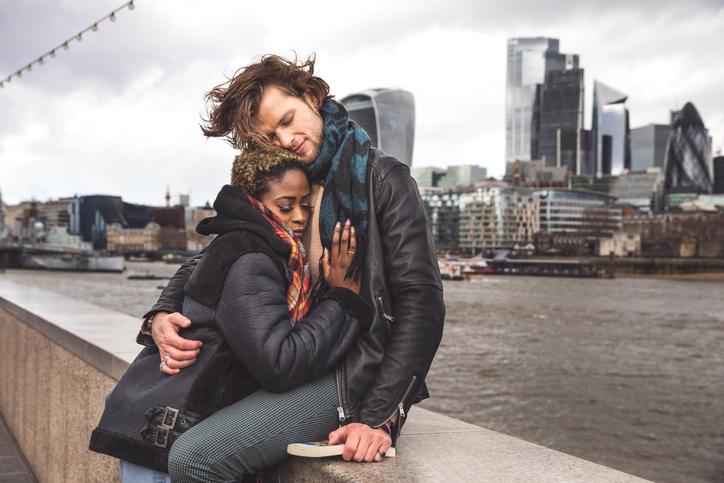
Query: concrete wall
(59,357)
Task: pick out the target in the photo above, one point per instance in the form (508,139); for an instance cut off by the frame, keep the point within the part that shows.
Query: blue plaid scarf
(341,168)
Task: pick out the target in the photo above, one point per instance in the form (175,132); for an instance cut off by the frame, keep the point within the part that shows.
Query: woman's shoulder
(245,252)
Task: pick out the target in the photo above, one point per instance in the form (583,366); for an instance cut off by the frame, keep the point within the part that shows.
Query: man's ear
(312,100)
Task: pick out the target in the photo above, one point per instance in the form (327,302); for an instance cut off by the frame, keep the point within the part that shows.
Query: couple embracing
(257,348)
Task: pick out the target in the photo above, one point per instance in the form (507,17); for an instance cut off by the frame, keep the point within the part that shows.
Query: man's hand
(181,352)
(362,442)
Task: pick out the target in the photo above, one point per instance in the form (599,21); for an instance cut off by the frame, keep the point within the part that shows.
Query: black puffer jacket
(236,299)
(384,371)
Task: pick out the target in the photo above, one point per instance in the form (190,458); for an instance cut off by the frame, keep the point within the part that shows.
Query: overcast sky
(118,112)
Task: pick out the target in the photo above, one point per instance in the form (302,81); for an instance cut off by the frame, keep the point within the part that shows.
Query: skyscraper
(718,176)
(648,146)
(687,166)
(611,132)
(561,107)
(388,117)
(528,61)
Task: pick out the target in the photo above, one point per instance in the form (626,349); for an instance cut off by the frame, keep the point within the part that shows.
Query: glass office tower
(574,150)
(388,117)
(528,61)
(648,146)
(611,132)
(718,187)
(687,164)
(561,107)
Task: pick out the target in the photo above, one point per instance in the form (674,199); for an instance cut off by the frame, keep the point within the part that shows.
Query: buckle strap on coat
(165,426)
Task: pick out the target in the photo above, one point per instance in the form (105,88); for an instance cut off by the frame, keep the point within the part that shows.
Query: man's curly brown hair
(231,106)
(258,166)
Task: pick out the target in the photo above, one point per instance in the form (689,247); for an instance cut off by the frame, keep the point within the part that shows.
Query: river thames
(628,373)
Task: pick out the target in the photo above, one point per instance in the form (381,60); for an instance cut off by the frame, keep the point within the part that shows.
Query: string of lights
(65,45)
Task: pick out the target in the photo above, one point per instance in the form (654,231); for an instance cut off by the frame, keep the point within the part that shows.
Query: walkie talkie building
(686,165)
(388,117)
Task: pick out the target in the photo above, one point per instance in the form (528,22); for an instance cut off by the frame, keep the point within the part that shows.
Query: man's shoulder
(381,163)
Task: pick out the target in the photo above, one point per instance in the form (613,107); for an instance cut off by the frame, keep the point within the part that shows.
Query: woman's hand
(336,264)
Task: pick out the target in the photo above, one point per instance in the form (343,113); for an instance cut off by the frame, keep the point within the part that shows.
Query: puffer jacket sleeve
(417,298)
(253,317)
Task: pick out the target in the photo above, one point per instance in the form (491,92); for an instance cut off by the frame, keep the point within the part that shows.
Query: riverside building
(578,212)
(492,218)
(443,211)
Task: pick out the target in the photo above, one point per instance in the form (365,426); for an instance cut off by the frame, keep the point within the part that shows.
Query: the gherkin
(686,165)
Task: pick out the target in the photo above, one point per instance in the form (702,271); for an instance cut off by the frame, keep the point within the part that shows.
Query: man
(281,102)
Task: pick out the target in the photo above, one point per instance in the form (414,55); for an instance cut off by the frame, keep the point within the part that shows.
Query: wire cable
(65,45)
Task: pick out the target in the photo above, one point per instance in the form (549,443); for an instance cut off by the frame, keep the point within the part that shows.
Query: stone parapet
(59,357)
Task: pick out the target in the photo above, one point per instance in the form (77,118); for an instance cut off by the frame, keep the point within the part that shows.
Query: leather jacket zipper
(340,409)
(388,318)
(400,407)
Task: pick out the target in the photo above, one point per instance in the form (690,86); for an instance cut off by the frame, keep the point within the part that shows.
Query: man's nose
(284,138)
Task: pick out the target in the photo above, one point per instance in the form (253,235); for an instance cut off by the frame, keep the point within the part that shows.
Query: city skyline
(118,112)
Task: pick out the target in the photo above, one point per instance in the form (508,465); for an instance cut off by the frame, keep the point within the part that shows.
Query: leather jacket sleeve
(416,297)
(253,317)
(172,297)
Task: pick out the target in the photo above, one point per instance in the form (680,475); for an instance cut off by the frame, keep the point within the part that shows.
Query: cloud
(118,112)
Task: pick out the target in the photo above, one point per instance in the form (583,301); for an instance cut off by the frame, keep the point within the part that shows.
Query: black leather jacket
(384,371)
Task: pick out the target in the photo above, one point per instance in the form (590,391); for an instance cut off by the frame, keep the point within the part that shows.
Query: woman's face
(289,199)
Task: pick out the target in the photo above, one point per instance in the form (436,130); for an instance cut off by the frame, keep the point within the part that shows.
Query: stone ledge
(433,447)
(74,325)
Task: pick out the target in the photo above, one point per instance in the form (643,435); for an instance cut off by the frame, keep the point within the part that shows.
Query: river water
(628,373)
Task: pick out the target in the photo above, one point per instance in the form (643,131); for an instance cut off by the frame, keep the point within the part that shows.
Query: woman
(249,298)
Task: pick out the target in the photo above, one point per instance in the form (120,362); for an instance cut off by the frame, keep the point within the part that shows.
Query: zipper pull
(402,411)
(382,309)
(341,415)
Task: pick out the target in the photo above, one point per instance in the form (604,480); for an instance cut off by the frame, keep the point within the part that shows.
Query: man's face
(291,122)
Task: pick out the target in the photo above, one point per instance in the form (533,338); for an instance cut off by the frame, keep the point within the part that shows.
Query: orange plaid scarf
(298,294)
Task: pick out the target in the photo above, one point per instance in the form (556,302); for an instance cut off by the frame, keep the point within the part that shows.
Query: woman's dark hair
(233,104)
(258,166)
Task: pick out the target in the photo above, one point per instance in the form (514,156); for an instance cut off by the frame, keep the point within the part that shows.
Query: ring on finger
(381,453)
(166,358)
(161,365)
(350,252)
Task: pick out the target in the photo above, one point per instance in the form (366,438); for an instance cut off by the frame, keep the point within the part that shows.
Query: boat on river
(456,268)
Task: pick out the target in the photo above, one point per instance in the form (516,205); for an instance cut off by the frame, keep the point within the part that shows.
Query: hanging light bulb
(1,85)
(113,17)
(41,61)
(131,6)
(30,67)
(65,46)
(94,27)
(19,74)
(52,53)
(79,37)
